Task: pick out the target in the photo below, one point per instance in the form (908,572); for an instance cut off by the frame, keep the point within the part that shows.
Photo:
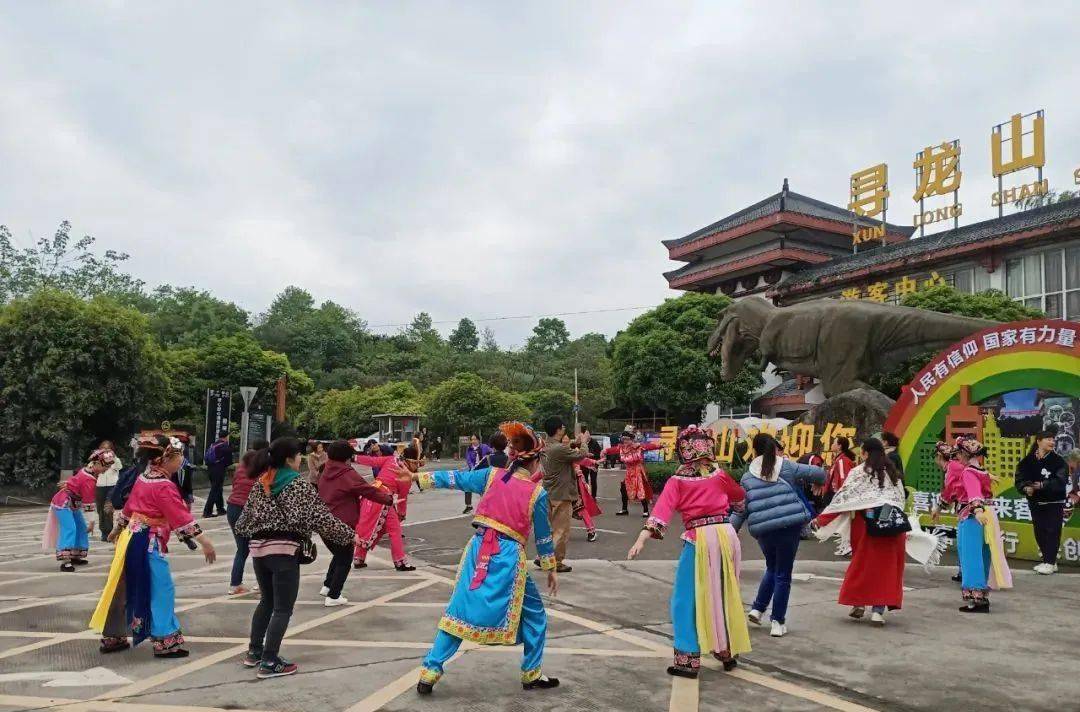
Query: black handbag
(308,552)
(886,520)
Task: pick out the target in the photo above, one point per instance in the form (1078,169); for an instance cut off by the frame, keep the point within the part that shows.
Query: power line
(526,316)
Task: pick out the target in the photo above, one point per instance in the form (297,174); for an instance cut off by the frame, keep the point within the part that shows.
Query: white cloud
(488,159)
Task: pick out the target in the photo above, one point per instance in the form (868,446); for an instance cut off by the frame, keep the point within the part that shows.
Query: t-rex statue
(839,342)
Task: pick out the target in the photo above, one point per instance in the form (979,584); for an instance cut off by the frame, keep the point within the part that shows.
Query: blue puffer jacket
(775,505)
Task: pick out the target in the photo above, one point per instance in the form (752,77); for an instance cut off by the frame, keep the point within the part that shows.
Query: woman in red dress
(875,577)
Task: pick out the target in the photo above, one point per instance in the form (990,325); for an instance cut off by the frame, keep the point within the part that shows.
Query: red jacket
(241,486)
(841,466)
(341,487)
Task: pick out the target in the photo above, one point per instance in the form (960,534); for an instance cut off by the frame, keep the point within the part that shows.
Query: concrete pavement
(609,637)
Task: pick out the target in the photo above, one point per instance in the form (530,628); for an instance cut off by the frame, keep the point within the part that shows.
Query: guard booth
(397,427)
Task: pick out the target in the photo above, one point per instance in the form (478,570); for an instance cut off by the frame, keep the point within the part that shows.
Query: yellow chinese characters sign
(797,439)
(870,198)
(1019,157)
(881,291)
(937,170)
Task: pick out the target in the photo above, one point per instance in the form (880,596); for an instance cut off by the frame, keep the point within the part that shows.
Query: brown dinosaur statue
(840,342)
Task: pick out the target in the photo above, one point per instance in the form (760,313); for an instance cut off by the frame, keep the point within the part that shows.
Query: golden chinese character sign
(797,439)
(937,172)
(882,291)
(870,198)
(1009,153)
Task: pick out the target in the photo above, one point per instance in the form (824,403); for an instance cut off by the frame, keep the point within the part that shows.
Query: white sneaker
(334,602)
(779,630)
(755,616)
(877,618)
(843,550)
(1044,569)
(324,590)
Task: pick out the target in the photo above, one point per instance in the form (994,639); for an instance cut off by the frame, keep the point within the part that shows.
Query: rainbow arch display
(1041,353)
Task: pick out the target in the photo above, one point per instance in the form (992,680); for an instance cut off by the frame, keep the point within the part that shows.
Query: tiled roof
(998,227)
(793,203)
(789,387)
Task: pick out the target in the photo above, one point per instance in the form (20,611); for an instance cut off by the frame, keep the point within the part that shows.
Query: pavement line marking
(437,519)
(381,697)
(222,655)
(684,695)
(71,705)
(788,688)
(605,652)
(598,529)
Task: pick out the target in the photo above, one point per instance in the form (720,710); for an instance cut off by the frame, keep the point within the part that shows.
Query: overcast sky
(490,159)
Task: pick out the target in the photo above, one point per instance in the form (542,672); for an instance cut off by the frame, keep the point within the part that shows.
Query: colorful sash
(1000,576)
(721,623)
(116,570)
(489,546)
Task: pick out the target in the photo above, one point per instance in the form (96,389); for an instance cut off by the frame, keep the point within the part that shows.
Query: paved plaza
(609,636)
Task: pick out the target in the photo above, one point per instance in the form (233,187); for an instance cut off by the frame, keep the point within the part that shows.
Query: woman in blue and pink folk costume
(495,601)
(706,608)
(66,529)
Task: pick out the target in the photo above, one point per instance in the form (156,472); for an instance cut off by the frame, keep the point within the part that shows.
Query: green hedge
(659,472)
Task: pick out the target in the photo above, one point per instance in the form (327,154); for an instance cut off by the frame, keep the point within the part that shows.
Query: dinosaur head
(732,342)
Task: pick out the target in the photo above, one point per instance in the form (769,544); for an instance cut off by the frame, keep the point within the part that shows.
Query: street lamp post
(248,394)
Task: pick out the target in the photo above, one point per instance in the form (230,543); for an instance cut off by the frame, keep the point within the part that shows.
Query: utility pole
(577,406)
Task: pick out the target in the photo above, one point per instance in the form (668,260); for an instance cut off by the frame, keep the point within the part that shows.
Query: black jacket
(1051,471)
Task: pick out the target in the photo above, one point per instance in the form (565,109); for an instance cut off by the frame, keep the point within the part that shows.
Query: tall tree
(661,360)
(422,331)
(549,335)
(991,304)
(185,315)
(467,403)
(71,371)
(58,263)
(319,340)
(488,342)
(464,338)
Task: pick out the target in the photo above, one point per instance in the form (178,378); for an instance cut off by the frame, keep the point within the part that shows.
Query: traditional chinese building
(792,248)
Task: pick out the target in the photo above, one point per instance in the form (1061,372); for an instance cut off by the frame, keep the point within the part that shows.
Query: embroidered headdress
(695,447)
(525,444)
(970,446)
(945,450)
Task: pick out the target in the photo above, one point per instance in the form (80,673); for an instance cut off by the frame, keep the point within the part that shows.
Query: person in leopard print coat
(282,511)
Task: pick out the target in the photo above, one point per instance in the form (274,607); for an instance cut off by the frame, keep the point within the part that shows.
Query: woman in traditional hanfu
(706,607)
(139,597)
(585,508)
(978,533)
(376,518)
(495,601)
(66,529)
(636,483)
(875,576)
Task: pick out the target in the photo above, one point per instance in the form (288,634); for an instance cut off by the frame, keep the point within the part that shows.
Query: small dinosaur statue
(839,342)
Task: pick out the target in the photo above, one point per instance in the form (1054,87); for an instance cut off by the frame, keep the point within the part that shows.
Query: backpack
(124,482)
(210,456)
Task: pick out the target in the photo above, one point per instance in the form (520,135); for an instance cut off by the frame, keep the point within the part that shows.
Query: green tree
(464,338)
(549,335)
(185,315)
(661,360)
(318,340)
(467,403)
(230,362)
(422,330)
(991,304)
(488,342)
(351,413)
(71,371)
(58,263)
(547,403)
